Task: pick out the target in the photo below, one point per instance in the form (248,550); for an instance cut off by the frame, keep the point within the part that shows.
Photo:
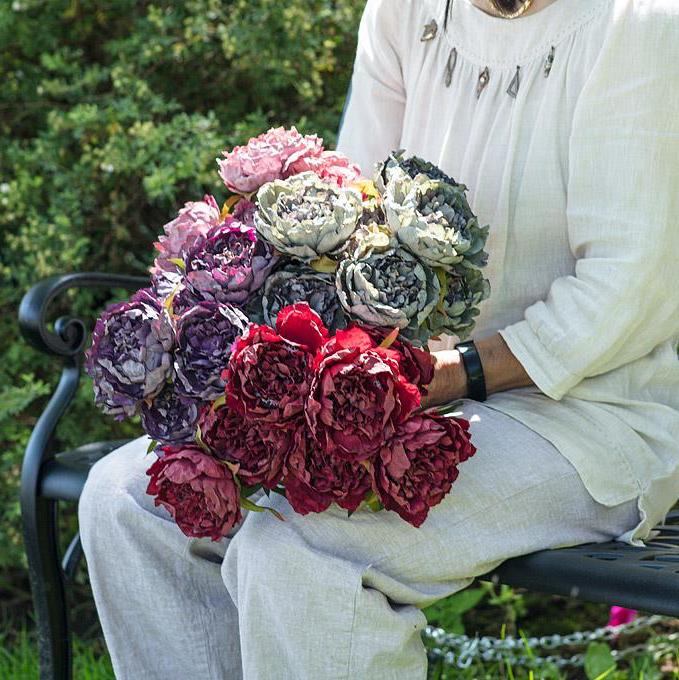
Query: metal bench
(639,578)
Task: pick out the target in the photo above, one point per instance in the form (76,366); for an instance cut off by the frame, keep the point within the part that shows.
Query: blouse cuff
(543,367)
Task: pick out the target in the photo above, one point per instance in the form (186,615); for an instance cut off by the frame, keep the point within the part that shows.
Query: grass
(483,609)
(19,659)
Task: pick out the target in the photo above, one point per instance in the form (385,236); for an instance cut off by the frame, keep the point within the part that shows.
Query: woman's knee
(114,481)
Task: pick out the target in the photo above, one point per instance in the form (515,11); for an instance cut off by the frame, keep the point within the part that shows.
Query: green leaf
(247,491)
(599,662)
(152,446)
(452,407)
(179,262)
(219,402)
(324,265)
(390,339)
(249,505)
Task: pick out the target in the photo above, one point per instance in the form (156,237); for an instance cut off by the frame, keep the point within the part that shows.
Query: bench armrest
(70,333)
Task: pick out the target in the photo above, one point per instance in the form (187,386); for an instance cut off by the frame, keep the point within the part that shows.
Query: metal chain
(461,650)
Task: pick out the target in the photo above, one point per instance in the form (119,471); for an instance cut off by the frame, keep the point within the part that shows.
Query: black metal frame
(641,578)
(39,500)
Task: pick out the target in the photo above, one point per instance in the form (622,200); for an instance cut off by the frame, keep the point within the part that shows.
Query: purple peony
(229,264)
(205,336)
(130,358)
(170,417)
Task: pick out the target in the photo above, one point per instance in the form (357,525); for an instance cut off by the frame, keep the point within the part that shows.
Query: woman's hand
(501,369)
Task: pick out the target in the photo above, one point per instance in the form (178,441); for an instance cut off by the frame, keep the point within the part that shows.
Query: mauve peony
(417,465)
(205,337)
(270,371)
(315,479)
(259,451)
(266,158)
(358,396)
(229,264)
(244,212)
(130,358)
(170,417)
(194,220)
(199,492)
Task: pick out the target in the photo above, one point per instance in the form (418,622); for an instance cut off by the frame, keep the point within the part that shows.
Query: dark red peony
(315,479)
(417,364)
(269,373)
(417,466)
(199,492)
(259,451)
(359,395)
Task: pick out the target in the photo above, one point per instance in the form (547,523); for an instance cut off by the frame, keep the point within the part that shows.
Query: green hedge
(111,116)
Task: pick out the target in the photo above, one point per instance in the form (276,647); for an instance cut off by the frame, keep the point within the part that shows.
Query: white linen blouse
(576,169)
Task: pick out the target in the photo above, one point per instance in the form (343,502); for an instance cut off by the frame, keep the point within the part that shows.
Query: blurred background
(112,113)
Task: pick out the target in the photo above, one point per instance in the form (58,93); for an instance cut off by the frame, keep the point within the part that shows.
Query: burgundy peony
(199,492)
(259,451)
(417,466)
(359,395)
(270,371)
(315,479)
(417,364)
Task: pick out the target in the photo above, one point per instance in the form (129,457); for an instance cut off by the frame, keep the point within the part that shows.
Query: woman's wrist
(450,379)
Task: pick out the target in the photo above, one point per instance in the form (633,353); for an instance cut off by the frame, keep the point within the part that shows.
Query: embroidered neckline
(589,11)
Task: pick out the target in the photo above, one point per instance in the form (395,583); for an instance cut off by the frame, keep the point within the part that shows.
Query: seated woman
(562,116)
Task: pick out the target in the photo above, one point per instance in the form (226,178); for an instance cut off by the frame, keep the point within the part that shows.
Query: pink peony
(199,492)
(259,451)
(331,166)
(270,371)
(359,395)
(417,466)
(266,158)
(194,220)
(316,479)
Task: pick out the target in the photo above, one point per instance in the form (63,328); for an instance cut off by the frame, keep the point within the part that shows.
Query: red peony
(269,373)
(417,466)
(199,492)
(359,395)
(259,451)
(315,479)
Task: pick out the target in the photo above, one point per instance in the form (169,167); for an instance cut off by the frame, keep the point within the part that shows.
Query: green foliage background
(111,116)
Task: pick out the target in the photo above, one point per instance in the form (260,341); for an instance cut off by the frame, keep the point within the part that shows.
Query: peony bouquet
(281,343)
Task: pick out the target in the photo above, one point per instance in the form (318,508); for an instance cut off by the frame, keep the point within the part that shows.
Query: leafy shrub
(111,116)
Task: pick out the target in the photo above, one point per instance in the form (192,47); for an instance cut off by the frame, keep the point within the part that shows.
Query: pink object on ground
(621,615)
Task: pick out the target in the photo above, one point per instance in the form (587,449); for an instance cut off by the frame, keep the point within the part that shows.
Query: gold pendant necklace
(525,5)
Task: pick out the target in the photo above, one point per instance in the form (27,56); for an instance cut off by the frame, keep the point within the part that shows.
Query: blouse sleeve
(623,212)
(373,115)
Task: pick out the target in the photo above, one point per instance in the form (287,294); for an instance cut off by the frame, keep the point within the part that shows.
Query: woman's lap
(320,594)
(516,495)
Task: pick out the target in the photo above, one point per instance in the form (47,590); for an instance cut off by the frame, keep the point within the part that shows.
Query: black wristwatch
(476,381)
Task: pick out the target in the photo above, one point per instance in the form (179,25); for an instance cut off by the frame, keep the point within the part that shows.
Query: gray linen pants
(322,596)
